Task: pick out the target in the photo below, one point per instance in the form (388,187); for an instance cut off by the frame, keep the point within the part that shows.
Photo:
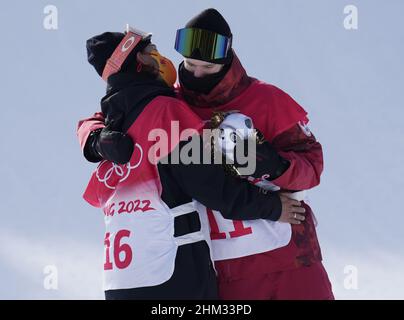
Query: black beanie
(100,48)
(210,19)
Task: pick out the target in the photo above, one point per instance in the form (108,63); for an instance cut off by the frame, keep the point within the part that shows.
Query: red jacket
(283,123)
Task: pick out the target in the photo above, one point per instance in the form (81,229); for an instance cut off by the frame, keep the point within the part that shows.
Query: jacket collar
(233,84)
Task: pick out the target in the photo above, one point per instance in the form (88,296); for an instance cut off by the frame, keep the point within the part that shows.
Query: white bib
(234,239)
(140,247)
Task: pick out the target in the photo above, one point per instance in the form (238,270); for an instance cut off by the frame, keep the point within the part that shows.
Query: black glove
(268,161)
(105,144)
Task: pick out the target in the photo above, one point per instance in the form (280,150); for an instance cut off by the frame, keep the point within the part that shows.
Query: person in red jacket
(256,259)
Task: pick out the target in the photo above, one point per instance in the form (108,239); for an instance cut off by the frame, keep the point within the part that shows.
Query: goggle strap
(141,33)
(122,51)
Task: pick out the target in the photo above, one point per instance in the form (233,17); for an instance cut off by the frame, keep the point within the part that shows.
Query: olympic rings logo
(108,170)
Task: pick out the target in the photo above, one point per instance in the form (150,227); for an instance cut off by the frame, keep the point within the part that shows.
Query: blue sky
(350,82)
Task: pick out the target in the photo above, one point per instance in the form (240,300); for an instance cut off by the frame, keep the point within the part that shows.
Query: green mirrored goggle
(202,44)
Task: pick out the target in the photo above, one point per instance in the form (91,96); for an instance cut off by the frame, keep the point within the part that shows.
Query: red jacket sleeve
(300,147)
(86,126)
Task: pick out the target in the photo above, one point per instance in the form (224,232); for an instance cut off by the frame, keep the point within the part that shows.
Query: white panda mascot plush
(236,126)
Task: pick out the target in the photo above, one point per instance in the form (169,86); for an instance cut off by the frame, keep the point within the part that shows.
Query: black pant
(193,279)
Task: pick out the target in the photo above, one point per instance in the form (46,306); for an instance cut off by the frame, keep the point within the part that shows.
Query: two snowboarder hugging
(166,252)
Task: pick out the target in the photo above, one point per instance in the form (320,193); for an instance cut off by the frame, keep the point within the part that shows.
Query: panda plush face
(235,126)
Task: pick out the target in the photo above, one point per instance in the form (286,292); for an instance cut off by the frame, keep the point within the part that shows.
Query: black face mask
(203,84)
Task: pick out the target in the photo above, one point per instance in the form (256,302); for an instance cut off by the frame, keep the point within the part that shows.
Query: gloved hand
(269,162)
(105,144)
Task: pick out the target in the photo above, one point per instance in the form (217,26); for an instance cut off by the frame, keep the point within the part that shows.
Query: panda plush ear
(248,123)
